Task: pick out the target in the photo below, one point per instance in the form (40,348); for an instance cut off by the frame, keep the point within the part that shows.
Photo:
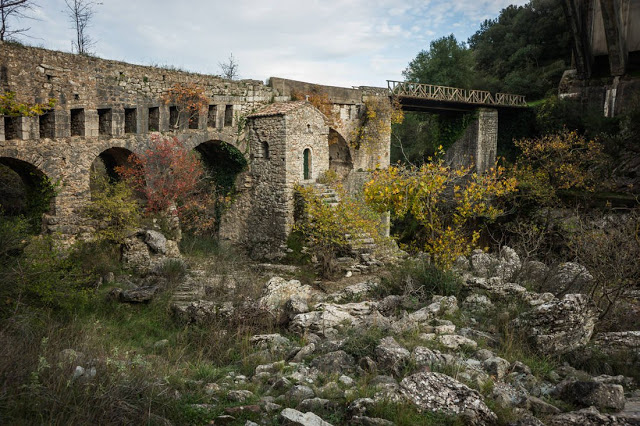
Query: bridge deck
(425,96)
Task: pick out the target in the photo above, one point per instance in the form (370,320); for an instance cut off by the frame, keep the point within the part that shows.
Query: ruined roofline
(7,47)
(278,108)
(336,94)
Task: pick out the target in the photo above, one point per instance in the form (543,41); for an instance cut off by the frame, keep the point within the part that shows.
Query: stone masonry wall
(479,143)
(103,104)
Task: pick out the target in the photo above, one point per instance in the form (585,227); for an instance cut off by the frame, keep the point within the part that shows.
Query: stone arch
(339,154)
(25,190)
(193,141)
(223,163)
(103,167)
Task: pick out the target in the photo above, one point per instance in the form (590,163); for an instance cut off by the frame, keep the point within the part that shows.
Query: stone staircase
(191,289)
(327,194)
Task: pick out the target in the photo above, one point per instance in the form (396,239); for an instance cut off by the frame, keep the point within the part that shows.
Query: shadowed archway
(103,168)
(25,191)
(339,155)
(223,163)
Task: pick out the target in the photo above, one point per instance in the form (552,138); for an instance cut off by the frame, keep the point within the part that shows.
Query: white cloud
(339,42)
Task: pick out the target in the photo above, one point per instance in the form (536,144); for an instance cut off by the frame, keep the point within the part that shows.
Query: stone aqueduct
(108,109)
(105,110)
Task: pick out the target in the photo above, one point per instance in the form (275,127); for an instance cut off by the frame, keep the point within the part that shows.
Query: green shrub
(115,211)
(173,270)
(360,344)
(420,279)
(43,276)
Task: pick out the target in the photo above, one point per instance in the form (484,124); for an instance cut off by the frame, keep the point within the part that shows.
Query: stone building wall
(103,104)
(262,215)
(479,143)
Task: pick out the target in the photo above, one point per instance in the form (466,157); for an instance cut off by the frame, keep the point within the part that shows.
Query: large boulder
(567,278)
(585,417)
(327,318)
(279,291)
(625,343)
(391,356)
(289,416)
(560,326)
(586,394)
(430,391)
(156,241)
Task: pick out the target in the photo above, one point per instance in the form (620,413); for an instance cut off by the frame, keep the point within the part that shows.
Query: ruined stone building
(107,110)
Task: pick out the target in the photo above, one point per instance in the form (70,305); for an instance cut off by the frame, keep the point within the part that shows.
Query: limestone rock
(455,342)
(482,264)
(136,256)
(496,366)
(477,303)
(196,312)
(568,277)
(585,417)
(156,241)
(296,418)
(334,362)
(422,356)
(585,394)
(316,404)
(274,343)
(304,352)
(278,291)
(327,318)
(560,326)
(239,395)
(299,393)
(618,343)
(541,407)
(354,292)
(391,355)
(295,305)
(139,295)
(438,392)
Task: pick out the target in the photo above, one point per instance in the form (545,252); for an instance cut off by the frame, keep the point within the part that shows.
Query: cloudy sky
(335,42)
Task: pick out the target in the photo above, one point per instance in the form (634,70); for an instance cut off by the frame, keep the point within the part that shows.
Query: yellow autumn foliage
(443,200)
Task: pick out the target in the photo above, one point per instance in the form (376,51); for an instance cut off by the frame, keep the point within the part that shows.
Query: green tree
(446,63)
(524,50)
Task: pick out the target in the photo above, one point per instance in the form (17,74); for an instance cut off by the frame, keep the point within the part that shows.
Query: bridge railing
(453,94)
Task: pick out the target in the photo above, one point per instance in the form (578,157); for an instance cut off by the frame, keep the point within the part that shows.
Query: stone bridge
(106,110)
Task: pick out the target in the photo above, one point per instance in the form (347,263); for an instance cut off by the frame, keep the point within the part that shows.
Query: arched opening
(339,155)
(103,168)
(25,191)
(223,162)
(265,150)
(306,165)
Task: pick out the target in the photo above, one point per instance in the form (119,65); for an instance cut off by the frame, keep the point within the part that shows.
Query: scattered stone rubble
(449,369)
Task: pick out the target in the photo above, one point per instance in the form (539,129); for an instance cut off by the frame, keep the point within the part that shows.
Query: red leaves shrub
(167,173)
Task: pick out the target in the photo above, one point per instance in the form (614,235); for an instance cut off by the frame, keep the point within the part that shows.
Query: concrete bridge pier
(478,145)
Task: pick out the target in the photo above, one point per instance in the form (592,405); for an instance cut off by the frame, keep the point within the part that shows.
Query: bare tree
(12,9)
(80,13)
(229,68)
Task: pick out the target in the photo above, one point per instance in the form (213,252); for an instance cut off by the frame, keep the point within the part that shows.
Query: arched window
(265,150)
(306,164)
